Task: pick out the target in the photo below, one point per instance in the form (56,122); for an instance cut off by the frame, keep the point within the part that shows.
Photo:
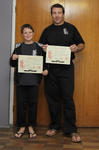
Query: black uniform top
(26,79)
(62,35)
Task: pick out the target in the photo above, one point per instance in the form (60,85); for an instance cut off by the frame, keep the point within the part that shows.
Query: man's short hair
(26,26)
(57,6)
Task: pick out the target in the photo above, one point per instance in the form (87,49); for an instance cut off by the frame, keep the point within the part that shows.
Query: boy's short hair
(26,26)
(57,6)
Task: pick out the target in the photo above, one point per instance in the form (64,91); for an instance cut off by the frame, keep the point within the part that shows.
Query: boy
(26,83)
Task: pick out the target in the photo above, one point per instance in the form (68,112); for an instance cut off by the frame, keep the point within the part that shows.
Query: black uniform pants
(27,98)
(59,87)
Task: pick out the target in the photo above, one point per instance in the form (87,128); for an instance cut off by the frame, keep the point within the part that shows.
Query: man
(59,84)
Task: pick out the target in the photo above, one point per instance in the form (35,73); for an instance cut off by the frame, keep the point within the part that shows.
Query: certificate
(58,54)
(30,64)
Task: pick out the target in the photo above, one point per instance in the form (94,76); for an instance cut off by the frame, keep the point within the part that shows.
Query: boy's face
(28,35)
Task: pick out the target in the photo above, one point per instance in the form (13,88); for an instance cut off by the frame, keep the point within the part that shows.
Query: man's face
(57,16)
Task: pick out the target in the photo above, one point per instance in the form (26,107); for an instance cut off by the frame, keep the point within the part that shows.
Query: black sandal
(19,133)
(32,135)
(74,137)
(51,132)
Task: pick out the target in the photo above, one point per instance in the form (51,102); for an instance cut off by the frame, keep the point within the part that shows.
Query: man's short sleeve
(43,38)
(77,37)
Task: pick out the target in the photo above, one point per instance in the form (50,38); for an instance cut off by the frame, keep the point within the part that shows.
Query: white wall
(5,50)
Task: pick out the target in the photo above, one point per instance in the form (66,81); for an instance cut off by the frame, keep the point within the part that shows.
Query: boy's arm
(45,65)
(14,59)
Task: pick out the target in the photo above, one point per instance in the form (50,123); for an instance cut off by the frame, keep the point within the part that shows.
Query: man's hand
(44,47)
(15,57)
(45,73)
(76,48)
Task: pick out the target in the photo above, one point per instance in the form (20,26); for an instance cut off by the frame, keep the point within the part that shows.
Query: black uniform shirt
(26,79)
(62,35)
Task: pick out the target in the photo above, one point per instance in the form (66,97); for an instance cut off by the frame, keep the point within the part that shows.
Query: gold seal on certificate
(30,64)
(58,54)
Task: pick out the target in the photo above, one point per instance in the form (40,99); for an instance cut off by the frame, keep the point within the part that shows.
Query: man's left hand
(74,48)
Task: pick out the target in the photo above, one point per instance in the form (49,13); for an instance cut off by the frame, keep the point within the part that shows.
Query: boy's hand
(44,47)
(15,57)
(45,73)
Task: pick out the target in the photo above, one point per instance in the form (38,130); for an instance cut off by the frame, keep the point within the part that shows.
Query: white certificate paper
(30,64)
(58,54)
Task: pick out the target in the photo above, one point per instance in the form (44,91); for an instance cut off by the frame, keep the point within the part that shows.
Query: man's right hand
(44,47)
(15,57)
